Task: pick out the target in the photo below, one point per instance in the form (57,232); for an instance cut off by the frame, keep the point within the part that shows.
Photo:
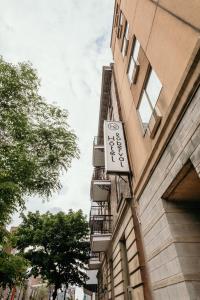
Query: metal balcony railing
(101,224)
(99,210)
(100,185)
(98,141)
(98,158)
(95,256)
(94,261)
(99,174)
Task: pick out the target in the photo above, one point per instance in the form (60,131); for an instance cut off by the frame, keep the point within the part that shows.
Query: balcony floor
(100,190)
(100,242)
(94,264)
(98,156)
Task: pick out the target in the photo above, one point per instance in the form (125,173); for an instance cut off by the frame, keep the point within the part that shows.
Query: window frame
(111,113)
(121,18)
(116,19)
(120,24)
(125,40)
(121,193)
(144,92)
(135,70)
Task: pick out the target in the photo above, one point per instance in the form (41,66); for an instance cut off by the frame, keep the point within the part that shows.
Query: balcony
(101,229)
(99,210)
(91,284)
(98,152)
(94,261)
(100,185)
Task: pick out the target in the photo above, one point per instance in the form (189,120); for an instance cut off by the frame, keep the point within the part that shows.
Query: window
(121,18)
(110,110)
(111,115)
(133,62)
(116,16)
(118,190)
(120,25)
(122,189)
(149,98)
(125,265)
(125,40)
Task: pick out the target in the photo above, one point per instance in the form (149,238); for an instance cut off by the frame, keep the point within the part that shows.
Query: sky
(68,42)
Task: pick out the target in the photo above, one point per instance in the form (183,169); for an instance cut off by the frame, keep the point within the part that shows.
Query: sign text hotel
(116,160)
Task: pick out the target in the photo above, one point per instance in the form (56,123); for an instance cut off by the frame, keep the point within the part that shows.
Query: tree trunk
(49,292)
(54,295)
(65,293)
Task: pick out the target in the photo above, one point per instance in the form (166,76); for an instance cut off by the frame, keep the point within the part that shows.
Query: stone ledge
(175,279)
(153,222)
(169,241)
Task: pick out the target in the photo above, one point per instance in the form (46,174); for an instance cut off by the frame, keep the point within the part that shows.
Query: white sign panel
(116,160)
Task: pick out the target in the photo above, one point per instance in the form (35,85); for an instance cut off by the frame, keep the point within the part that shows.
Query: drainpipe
(141,255)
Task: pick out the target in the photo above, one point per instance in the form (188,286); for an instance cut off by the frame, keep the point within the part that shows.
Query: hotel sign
(116,160)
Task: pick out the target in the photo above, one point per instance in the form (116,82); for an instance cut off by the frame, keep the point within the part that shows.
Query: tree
(56,245)
(36,140)
(13,269)
(4,237)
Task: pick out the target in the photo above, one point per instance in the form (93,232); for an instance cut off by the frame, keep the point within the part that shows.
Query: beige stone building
(145,223)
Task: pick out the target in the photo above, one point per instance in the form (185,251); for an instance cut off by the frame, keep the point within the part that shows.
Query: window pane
(121,19)
(124,46)
(145,110)
(153,88)
(136,50)
(126,31)
(131,69)
(125,38)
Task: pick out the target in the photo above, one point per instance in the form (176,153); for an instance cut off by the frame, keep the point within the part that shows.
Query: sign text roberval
(116,160)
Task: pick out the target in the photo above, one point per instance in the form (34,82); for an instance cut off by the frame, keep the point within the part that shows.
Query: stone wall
(171,232)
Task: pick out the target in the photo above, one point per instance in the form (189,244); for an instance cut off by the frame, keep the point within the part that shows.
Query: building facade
(145,223)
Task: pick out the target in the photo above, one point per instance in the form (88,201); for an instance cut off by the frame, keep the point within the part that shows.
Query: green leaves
(13,269)
(36,140)
(56,245)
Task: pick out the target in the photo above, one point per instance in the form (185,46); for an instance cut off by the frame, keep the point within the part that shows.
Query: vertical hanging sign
(116,160)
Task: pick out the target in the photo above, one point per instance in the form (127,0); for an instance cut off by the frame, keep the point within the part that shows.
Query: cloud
(68,43)
(55,210)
